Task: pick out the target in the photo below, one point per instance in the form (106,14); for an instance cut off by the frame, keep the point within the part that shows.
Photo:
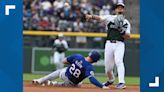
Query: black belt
(113,41)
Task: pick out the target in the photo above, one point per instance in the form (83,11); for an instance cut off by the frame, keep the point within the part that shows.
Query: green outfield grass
(129,80)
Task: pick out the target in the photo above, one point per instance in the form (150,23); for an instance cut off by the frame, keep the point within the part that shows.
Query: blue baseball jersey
(79,68)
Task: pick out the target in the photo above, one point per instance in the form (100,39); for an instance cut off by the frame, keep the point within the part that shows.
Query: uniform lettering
(74,71)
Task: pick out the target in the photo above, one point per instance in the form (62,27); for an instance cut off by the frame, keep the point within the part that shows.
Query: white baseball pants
(58,58)
(114,53)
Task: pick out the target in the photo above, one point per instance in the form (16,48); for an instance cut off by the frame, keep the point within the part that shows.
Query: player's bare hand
(105,87)
(88,17)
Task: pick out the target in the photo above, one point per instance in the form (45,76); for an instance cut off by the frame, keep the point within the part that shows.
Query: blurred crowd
(54,15)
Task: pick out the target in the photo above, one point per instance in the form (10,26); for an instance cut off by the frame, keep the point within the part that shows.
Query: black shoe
(107,83)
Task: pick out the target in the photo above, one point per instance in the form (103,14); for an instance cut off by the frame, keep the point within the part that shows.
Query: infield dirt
(29,87)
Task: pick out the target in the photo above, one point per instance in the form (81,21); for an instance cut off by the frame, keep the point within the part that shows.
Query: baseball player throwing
(118,29)
(79,68)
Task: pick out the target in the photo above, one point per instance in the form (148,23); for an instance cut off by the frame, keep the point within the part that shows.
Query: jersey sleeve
(56,42)
(105,19)
(71,58)
(89,71)
(128,27)
(92,79)
(65,44)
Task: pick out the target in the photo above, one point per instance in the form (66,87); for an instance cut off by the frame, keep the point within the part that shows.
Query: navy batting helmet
(95,55)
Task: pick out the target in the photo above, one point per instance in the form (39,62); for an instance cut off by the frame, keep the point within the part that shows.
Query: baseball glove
(119,20)
(119,24)
(60,48)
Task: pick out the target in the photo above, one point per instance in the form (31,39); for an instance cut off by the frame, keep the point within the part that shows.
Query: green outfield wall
(38,60)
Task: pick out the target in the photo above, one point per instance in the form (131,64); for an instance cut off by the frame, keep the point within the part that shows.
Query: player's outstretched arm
(94,81)
(92,17)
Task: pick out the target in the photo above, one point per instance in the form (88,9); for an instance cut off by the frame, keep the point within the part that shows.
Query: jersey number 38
(74,71)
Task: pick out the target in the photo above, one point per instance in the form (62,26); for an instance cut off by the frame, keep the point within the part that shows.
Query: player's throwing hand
(88,17)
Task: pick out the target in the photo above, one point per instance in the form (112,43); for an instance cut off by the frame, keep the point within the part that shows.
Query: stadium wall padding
(27,59)
(131,60)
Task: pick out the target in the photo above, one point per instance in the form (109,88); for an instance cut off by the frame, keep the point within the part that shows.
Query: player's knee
(120,63)
(109,67)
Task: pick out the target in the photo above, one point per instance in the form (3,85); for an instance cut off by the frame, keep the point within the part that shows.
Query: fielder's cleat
(121,86)
(107,83)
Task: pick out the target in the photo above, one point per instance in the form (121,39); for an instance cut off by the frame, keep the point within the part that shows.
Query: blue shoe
(107,83)
(121,86)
